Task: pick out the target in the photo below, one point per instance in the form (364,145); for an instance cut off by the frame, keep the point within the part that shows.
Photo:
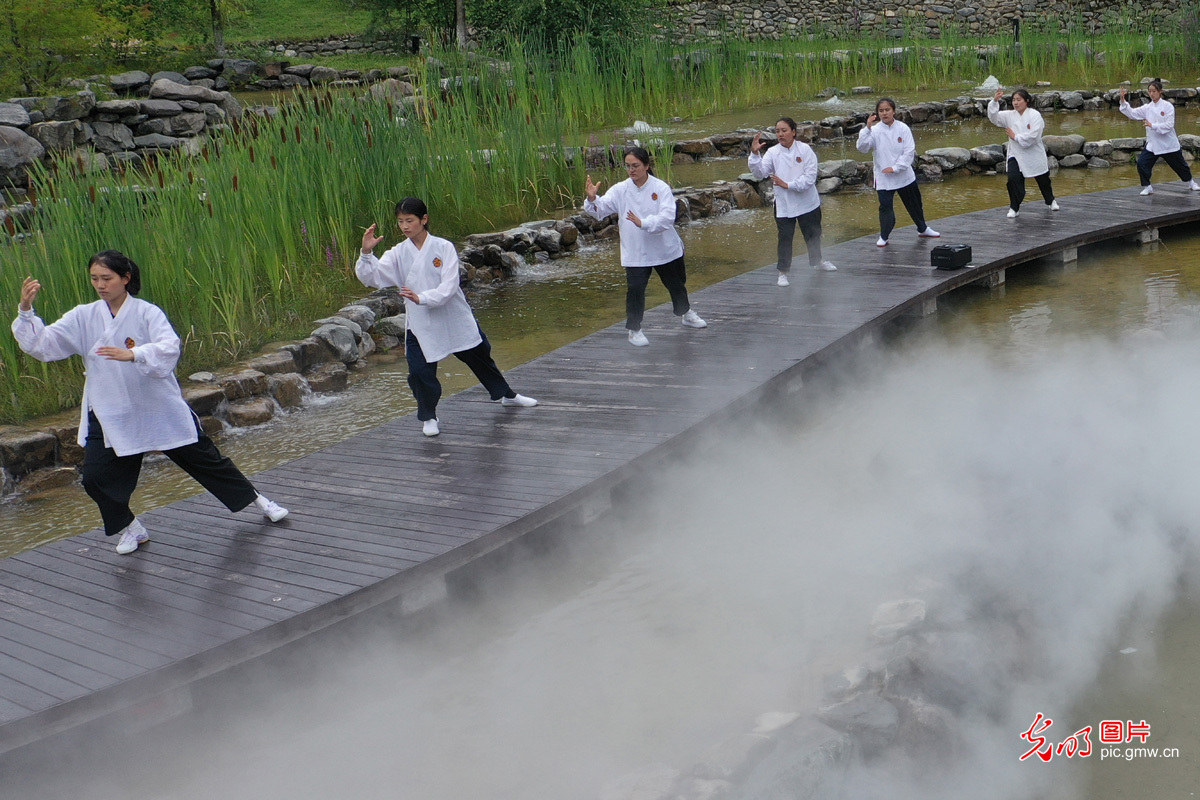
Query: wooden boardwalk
(389,514)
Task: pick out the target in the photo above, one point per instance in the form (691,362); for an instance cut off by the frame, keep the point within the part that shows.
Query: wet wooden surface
(84,631)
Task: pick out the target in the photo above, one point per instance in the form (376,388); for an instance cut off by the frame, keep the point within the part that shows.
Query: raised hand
(999,95)
(756,143)
(634,218)
(871,120)
(591,189)
(29,290)
(370,240)
(1122,94)
(409,294)
(778,181)
(1011,133)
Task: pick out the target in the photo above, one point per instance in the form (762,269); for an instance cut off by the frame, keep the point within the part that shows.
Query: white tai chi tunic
(442,321)
(1160,136)
(139,404)
(894,147)
(656,242)
(1027,148)
(798,166)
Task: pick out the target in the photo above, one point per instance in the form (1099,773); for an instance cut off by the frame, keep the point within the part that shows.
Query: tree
(38,36)
(201,20)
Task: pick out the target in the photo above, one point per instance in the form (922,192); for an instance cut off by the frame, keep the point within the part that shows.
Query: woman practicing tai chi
(792,167)
(437,318)
(131,401)
(895,151)
(1026,153)
(645,209)
(1161,142)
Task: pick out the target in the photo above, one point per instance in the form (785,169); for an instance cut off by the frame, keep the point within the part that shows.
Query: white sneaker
(1150,189)
(1012,213)
(929,233)
(638,339)
(882,242)
(520,400)
(430,427)
(826,266)
(1054,205)
(270,509)
(692,320)
(1195,187)
(133,535)
(783,281)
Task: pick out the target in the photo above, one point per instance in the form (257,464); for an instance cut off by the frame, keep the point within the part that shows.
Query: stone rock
(199,73)
(861,90)
(988,155)
(695,147)
(128,82)
(345,322)
(13,115)
(280,361)
(358,314)
(847,683)
(1138,143)
(23,450)
(828,185)
(69,451)
(18,151)
(928,731)
(809,761)
(273,69)
(745,196)
(948,158)
(247,383)
(1072,100)
(510,263)
(111,137)
(288,389)
(159,108)
(322,75)
(292,81)
(390,326)
(211,426)
(331,377)
(121,108)
(734,758)
(204,400)
(308,352)
(48,478)
(300,70)
(1059,146)
(1189,141)
(387,342)
(1072,161)
(341,341)
(157,141)
(231,106)
(56,135)
(549,240)
(1102,148)
(501,239)
(869,718)
(839,167)
(1098,163)
(205,377)
(239,71)
(932,172)
(189,123)
(167,90)
(245,413)
(170,77)
(567,232)
(392,88)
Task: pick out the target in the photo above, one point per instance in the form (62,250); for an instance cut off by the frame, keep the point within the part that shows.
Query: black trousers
(910,195)
(674,277)
(1146,161)
(423,379)
(810,229)
(1016,186)
(110,479)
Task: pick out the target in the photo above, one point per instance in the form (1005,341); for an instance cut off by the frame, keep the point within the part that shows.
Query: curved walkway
(391,514)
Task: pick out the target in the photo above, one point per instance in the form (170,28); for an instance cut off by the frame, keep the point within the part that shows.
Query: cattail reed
(235,182)
(283,134)
(32,194)
(250,149)
(92,194)
(9,225)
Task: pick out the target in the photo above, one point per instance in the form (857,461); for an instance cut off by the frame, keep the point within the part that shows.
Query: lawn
(297,20)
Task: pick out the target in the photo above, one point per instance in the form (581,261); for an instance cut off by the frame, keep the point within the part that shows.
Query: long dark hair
(121,264)
(641,154)
(412,205)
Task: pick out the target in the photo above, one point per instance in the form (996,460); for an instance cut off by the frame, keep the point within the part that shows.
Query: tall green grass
(255,236)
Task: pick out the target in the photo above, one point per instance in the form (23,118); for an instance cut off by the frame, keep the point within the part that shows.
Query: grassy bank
(256,237)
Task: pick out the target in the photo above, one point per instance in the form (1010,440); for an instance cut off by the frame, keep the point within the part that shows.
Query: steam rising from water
(735,581)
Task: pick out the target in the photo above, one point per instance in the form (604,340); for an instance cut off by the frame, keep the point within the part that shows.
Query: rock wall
(773,19)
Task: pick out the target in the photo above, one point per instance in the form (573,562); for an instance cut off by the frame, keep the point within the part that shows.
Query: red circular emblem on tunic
(1028,127)
(799,159)
(437,262)
(899,138)
(129,343)
(1162,113)
(654,195)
